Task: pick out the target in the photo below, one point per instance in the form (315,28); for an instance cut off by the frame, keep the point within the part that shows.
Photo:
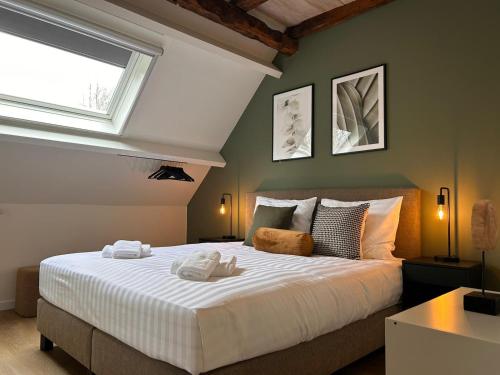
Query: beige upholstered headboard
(408,238)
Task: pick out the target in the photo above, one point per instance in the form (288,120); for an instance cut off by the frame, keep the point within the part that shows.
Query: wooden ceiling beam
(247,5)
(234,18)
(333,17)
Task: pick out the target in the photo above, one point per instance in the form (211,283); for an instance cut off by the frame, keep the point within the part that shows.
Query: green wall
(443,102)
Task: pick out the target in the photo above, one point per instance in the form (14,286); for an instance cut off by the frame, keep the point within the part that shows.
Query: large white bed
(272,302)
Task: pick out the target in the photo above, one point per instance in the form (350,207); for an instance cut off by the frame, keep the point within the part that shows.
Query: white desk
(440,337)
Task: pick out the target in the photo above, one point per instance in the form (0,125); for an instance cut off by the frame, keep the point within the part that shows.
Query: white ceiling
(194,99)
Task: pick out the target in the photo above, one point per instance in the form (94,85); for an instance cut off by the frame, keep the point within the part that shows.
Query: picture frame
(293,124)
(359,112)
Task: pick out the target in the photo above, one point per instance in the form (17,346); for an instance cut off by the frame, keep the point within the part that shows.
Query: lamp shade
(484,226)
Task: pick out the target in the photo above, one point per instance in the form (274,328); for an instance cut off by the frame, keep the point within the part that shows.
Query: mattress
(272,302)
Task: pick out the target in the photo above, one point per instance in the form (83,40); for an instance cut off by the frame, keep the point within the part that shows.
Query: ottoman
(27,292)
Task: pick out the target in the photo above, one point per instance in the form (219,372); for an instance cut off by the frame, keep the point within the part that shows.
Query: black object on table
(425,278)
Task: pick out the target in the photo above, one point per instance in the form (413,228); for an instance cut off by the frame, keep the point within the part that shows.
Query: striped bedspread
(271,303)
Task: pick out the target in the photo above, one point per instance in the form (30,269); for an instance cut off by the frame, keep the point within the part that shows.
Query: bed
(277,314)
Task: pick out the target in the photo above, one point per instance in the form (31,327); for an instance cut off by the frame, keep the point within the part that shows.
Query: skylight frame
(23,111)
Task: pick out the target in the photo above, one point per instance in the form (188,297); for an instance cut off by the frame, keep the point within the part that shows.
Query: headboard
(408,237)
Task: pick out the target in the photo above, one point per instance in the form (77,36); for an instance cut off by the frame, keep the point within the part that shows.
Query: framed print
(293,124)
(358,112)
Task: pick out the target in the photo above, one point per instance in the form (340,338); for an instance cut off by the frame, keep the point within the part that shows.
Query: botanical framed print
(293,124)
(358,112)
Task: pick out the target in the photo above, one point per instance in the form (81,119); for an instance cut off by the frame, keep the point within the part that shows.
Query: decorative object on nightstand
(440,337)
(222,211)
(485,238)
(443,201)
(425,278)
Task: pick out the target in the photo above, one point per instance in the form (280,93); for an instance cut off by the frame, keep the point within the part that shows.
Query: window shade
(70,34)
(55,36)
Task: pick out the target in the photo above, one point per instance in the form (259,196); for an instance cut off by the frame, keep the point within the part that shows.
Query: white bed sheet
(272,302)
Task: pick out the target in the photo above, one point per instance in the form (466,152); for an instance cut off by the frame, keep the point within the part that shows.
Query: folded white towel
(126,251)
(146,251)
(107,251)
(226,267)
(176,264)
(199,266)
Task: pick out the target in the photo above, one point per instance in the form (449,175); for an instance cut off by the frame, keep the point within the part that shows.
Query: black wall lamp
(443,201)
(222,211)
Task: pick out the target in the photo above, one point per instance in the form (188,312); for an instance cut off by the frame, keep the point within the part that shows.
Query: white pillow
(302,217)
(381,225)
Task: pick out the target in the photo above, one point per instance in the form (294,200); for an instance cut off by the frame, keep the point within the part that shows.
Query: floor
(19,354)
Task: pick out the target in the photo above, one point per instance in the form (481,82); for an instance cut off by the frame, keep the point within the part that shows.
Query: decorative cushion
(270,217)
(302,217)
(381,225)
(281,241)
(337,231)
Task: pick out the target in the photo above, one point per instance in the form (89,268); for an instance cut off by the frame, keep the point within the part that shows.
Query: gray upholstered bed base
(105,355)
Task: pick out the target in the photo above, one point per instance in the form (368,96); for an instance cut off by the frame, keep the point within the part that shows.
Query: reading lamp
(443,213)
(222,211)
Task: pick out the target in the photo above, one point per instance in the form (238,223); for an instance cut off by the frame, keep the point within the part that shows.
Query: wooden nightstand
(220,239)
(425,279)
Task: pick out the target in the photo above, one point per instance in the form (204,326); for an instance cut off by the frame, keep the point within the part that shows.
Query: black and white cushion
(337,231)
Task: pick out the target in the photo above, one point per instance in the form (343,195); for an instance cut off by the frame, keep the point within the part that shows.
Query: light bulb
(440,212)
(222,209)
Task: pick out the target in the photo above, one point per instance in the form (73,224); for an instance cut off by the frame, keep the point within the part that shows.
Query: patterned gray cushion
(337,231)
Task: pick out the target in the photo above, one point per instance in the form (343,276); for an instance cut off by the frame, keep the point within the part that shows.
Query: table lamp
(485,238)
(222,211)
(444,213)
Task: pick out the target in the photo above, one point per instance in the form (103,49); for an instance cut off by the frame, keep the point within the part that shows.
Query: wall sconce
(223,210)
(442,213)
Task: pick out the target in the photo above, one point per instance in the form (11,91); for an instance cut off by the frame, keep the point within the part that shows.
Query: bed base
(102,354)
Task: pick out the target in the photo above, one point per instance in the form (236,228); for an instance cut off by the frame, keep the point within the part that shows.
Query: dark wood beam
(247,5)
(234,18)
(333,17)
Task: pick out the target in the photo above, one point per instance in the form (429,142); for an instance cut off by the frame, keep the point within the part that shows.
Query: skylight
(57,71)
(51,76)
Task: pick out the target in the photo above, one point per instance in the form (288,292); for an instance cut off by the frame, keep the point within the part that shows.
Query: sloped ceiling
(45,175)
(193,99)
(198,88)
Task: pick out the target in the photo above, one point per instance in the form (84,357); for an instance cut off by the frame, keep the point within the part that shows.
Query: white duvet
(271,303)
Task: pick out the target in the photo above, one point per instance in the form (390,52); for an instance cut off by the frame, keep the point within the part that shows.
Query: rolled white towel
(226,267)
(107,251)
(176,264)
(199,266)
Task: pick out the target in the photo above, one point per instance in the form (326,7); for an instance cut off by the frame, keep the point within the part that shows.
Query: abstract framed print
(293,124)
(358,112)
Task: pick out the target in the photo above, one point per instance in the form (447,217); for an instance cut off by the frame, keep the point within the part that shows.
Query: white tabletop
(446,313)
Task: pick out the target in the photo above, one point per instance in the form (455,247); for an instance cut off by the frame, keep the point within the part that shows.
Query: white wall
(30,233)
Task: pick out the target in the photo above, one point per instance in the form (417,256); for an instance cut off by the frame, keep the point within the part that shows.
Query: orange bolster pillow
(281,241)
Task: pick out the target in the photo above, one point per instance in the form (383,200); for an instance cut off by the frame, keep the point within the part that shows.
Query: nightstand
(220,239)
(440,337)
(424,278)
